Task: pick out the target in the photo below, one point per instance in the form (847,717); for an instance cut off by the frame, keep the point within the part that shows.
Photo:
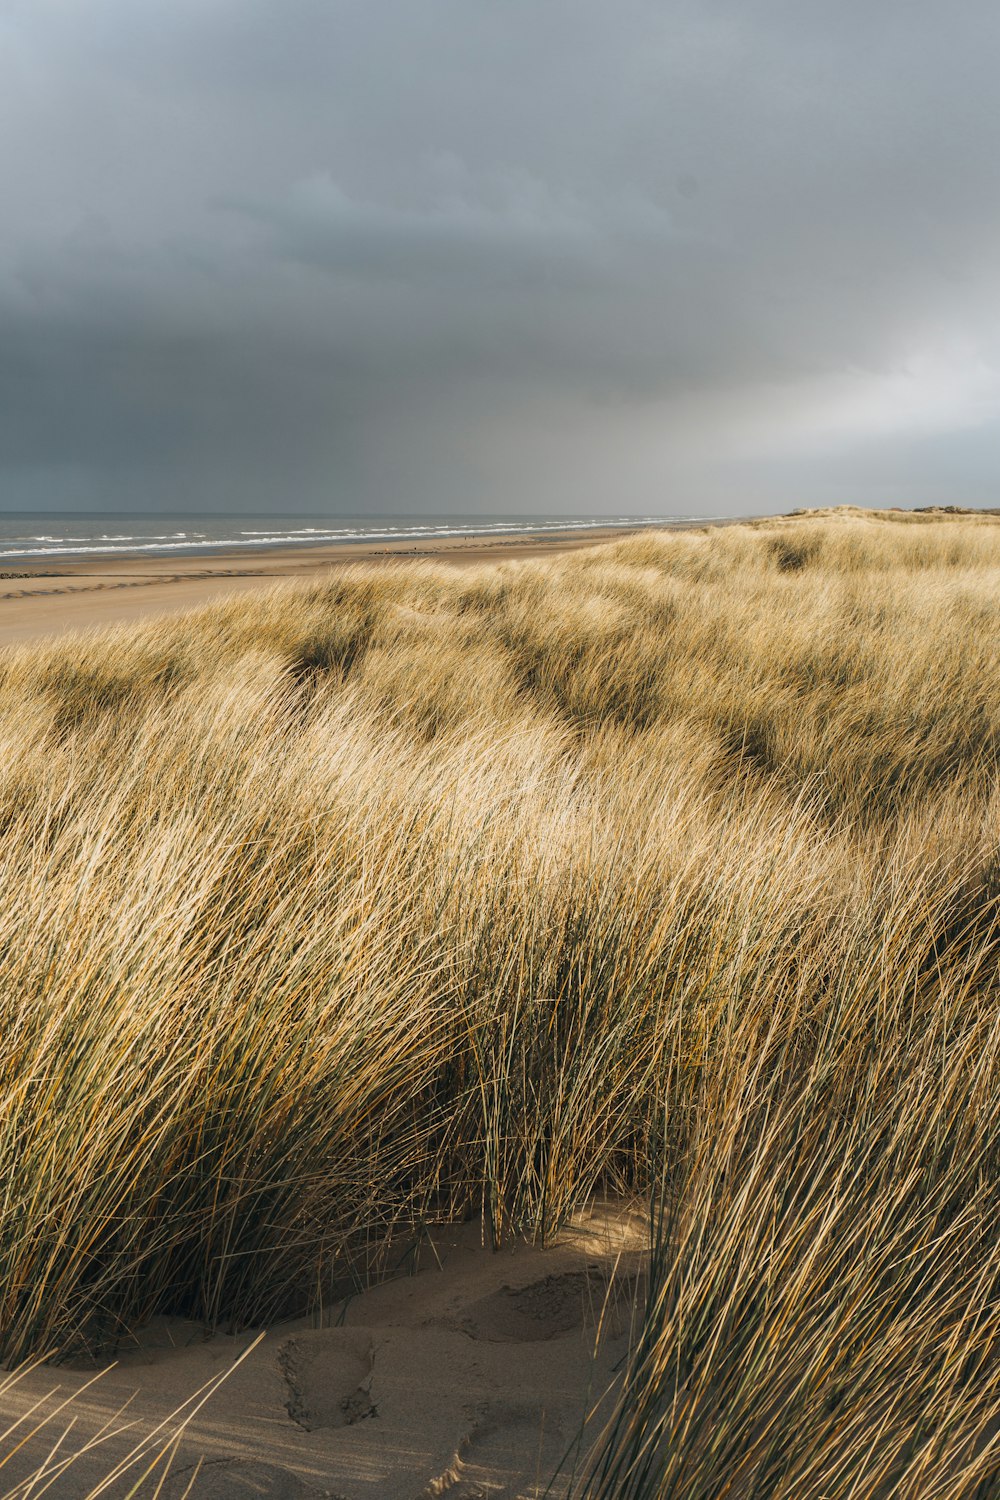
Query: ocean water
(63,534)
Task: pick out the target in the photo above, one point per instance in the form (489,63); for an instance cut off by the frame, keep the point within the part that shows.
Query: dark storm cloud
(559,254)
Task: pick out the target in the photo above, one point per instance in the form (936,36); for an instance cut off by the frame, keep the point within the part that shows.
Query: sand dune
(38,600)
(469,1379)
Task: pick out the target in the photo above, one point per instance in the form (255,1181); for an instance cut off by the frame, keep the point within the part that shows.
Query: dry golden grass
(669,868)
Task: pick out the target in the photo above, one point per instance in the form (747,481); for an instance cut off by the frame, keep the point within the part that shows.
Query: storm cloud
(506,255)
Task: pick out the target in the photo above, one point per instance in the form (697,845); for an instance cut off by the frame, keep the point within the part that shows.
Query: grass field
(665,869)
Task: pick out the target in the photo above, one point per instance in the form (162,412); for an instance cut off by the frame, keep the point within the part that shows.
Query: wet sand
(48,598)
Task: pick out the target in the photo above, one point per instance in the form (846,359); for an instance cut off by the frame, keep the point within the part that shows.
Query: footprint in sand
(508,1454)
(545,1309)
(328,1378)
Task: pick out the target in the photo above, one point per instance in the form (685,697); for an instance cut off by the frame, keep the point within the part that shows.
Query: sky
(637,257)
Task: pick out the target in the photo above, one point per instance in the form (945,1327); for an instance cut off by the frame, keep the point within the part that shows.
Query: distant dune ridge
(664,872)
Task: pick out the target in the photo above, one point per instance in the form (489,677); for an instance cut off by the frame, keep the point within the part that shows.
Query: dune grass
(668,868)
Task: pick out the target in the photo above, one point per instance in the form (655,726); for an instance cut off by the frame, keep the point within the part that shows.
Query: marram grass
(668,868)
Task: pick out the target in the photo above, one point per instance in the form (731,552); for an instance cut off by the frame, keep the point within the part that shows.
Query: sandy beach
(47,598)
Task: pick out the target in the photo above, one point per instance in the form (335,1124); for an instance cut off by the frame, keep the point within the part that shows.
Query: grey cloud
(513,255)
(528,236)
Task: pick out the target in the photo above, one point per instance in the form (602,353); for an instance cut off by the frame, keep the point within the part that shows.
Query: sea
(37,535)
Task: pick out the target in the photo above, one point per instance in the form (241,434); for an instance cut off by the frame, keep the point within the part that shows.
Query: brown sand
(470,1379)
(39,599)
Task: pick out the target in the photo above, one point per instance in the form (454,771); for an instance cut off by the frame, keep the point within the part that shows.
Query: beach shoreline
(54,595)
